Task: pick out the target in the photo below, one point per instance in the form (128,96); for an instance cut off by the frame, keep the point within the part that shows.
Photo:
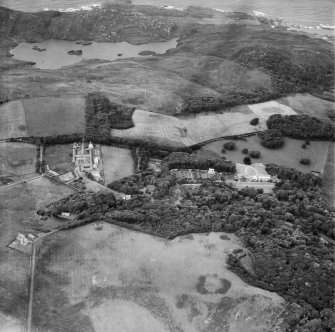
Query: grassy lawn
(47,116)
(117,163)
(115,279)
(289,155)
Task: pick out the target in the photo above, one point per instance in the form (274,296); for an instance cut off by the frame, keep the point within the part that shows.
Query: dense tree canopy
(186,160)
(302,126)
(102,115)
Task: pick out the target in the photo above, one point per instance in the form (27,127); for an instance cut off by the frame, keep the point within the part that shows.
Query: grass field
(119,280)
(192,129)
(59,157)
(47,191)
(47,116)
(12,120)
(18,158)
(265,110)
(16,205)
(310,105)
(117,163)
(289,155)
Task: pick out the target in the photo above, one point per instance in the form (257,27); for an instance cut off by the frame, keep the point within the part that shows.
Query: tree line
(193,160)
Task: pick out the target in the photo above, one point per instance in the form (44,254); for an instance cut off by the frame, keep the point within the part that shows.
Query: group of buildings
(87,159)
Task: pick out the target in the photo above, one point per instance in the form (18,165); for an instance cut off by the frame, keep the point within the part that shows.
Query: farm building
(87,159)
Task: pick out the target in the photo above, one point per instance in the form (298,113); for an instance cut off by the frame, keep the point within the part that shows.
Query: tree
(254,121)
(247,160)
(245,151)
(230,146)
(255,154)
(305,161)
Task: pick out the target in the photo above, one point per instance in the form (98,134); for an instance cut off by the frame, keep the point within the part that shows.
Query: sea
(308,13)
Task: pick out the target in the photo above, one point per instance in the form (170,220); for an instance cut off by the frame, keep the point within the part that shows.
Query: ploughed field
(193,129)
(105,278)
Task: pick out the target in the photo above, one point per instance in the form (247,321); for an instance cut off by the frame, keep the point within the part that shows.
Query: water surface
(305,12)
(56,55)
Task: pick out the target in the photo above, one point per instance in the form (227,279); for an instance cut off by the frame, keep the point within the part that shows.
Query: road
(22,181)
(32,277)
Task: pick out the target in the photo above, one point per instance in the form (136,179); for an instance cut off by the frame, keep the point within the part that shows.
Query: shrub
(255,154)
(303,146)
(247,160)
(254,121)
(245,151)
(230,146)
(305,161)
(307,142)
(223,150)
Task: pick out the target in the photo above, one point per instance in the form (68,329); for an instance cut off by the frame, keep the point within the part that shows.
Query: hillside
(235,62)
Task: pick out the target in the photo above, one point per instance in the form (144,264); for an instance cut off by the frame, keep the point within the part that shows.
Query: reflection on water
(55,55)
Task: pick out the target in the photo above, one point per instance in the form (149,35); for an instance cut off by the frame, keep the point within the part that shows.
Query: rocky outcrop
(40,49)
(113,23)
(147,53)
(75,52)
(84,43)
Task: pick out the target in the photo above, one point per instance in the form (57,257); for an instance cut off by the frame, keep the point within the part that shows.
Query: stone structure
(87,159)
